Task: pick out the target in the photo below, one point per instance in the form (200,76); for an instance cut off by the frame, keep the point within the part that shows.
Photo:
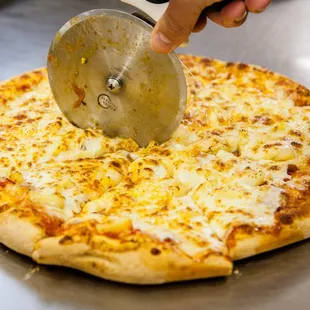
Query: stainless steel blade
(103,74)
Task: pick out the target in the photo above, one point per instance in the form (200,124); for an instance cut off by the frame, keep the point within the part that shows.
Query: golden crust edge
(18,77)
(18,234)
(133,267)
(261,68)
(136,266)
(259,242)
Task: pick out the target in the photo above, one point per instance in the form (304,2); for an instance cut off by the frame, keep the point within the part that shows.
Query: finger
(234,14)
(231,15)
(201,23)
(257,6)
(176,24)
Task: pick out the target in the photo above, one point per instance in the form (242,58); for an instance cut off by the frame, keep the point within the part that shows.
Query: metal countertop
(279,39)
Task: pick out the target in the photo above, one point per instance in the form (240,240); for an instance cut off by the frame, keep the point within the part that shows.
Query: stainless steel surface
(280,40)
(99,44)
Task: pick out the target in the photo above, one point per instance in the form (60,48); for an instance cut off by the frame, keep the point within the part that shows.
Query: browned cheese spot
(286,219)
(155,251)
(295,133)
(291,169)
(296,144)
(206,61)
(65,240)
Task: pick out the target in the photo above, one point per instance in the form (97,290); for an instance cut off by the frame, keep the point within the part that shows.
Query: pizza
(232,182)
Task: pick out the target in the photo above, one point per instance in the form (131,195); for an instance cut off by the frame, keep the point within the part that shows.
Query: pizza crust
(293,225)
(19,234)
(243,245)
(139,266)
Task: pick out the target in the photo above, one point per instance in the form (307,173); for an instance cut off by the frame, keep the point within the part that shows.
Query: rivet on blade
(113,85)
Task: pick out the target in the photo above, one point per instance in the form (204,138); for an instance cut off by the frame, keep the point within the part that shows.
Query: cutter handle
(153,8)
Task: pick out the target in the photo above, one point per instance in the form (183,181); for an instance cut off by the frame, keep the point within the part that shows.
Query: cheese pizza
(232,182)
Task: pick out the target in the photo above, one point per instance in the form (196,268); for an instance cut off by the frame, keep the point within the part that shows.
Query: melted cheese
(73,184)
(35,132)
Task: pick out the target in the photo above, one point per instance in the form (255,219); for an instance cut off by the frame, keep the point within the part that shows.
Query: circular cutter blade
(103,74)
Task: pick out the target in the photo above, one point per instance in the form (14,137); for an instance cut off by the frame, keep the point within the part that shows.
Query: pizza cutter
(103,74)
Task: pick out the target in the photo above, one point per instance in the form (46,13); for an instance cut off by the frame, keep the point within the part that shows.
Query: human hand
(186,16)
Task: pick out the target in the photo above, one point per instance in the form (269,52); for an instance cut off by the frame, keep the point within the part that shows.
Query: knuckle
(175,26)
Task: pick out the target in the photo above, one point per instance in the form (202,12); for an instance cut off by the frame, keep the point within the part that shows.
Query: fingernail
(185,44)
(241,18)
(161,43)
(263,9)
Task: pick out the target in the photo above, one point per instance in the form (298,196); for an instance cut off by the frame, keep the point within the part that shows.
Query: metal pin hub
(113,85)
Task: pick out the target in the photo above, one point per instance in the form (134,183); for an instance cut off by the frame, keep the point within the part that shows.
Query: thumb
(176,25)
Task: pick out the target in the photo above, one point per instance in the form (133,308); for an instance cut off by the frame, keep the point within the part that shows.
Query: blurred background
(278,39)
